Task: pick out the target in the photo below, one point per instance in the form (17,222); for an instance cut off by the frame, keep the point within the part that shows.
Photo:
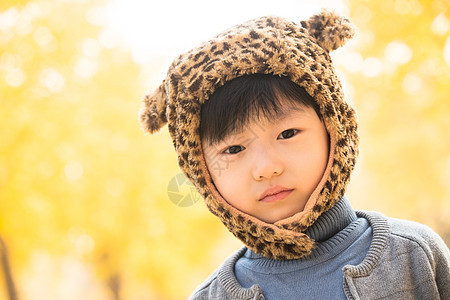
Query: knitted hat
(267,45)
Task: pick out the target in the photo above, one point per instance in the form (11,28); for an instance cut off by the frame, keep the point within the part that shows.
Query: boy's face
(270,169)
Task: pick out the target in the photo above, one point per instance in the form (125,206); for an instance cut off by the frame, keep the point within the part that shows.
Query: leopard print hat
(267,45)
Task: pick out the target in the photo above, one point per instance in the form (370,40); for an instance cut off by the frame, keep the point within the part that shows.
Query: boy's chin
(274,218)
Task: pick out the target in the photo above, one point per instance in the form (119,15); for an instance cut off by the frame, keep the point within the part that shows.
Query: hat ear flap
(330,30)
(153,112)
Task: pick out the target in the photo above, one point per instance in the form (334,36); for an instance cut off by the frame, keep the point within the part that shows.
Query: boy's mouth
(275,193)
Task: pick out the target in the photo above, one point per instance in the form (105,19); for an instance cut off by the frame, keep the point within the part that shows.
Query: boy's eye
(234,149)
(287,134)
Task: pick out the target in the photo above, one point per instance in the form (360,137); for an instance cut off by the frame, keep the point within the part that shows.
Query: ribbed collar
(332,221)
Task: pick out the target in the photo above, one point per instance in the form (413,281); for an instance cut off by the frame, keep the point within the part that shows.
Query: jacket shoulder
(419,234)
(204,290)
(212,287)
(405,232)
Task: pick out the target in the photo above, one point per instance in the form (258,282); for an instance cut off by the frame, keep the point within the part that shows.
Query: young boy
(260,126)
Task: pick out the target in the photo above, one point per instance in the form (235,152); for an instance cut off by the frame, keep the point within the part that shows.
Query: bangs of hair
(247,98)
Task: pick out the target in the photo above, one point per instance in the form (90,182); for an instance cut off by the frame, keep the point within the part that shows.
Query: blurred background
(86,210)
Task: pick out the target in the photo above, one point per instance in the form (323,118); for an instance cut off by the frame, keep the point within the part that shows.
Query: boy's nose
(266,165)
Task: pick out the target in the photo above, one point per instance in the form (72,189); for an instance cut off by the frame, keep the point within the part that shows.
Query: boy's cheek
(218,169)
(217,164)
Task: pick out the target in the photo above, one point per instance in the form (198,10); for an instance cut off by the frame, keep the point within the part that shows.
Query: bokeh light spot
(85,244)
(15,77)
(43,36)
(398,52)
(353,62)
(91,47)
(372,67)
(115,187)
(52,80)
(73,170)
(9,18)
(108,39)
(440,25)
(95,16)
(446,52)
(10,61)
(412,83)
(85,68)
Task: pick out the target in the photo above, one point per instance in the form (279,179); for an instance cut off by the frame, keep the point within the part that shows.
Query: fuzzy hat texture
(267,45)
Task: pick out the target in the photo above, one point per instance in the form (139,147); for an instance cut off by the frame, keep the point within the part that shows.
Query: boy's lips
(275,193)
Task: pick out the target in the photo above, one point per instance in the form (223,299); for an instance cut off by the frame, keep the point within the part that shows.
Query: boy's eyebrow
(286,112)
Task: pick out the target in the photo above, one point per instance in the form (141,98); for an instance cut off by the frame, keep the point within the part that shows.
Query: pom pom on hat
(153,112)
(330,30)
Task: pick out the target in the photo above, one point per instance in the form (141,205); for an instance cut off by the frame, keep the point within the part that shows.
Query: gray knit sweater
(406,260)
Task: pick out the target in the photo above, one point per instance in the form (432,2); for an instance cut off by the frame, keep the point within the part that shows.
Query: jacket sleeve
(428,259)
(441,262)
(438,256)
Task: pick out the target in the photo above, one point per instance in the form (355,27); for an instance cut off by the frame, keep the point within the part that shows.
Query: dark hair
(234,104)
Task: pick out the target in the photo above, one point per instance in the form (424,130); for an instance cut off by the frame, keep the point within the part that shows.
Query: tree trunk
(114,283)
(6,268)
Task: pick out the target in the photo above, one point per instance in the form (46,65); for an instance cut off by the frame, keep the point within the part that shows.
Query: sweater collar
(332,221)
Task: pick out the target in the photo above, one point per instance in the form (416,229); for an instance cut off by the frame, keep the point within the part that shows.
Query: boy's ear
(153,112)
(330,30)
